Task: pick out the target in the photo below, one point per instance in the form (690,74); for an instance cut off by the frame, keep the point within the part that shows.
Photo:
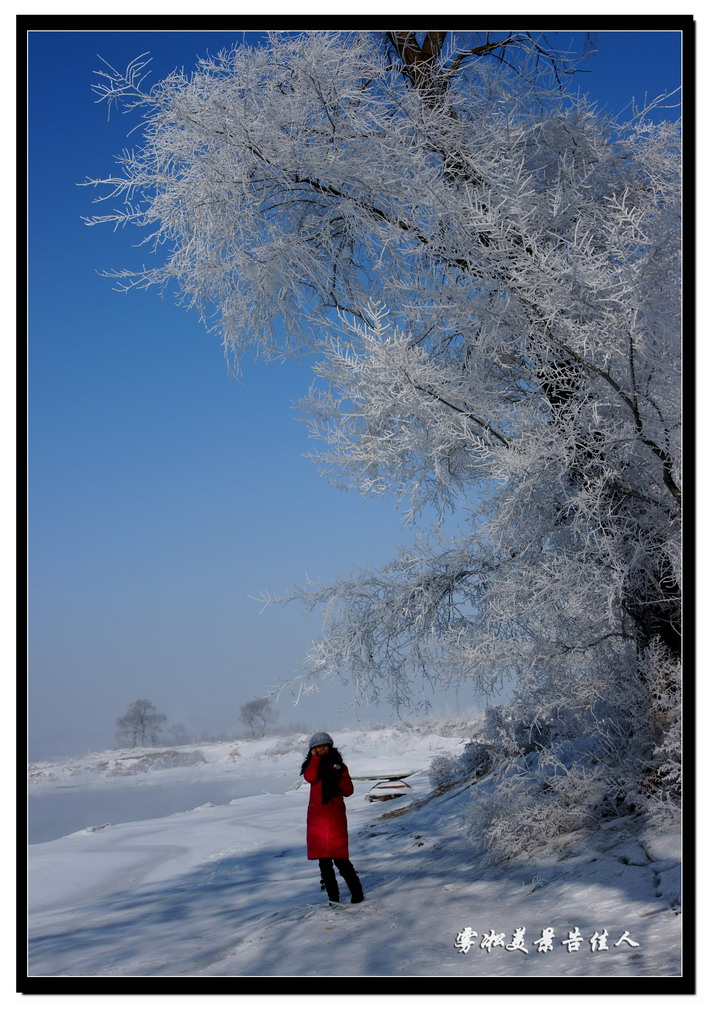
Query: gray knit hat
(319,739)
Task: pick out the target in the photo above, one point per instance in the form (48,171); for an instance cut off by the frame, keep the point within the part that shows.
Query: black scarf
(331,769)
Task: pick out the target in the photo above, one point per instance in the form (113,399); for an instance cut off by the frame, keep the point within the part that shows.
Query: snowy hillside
(225,889)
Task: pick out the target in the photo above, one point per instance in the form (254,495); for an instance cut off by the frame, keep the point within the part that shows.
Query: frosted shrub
(584,785)
(520,816)
(667,765)
(476,761)
(443,770)
(499,730)
(663,777)
(477,758)
(512,732)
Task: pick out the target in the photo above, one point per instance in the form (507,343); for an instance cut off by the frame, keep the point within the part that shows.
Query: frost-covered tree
(487,272)
(257,714)
(141,725)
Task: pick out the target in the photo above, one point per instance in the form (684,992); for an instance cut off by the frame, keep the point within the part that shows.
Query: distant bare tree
(141,724)
(257,713)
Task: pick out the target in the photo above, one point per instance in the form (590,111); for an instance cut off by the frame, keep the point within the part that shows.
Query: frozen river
(65,809)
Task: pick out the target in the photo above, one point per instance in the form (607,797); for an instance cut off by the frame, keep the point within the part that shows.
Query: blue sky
(162,491)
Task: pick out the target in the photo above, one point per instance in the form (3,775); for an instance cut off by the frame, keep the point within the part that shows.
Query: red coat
(326,831)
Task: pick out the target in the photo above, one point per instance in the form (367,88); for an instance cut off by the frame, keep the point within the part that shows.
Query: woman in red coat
(326,832)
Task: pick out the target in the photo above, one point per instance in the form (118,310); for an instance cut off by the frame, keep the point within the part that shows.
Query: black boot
(328,882)
(351,877)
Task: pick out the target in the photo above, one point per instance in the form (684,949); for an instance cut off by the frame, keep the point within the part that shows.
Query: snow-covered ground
(225,889)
